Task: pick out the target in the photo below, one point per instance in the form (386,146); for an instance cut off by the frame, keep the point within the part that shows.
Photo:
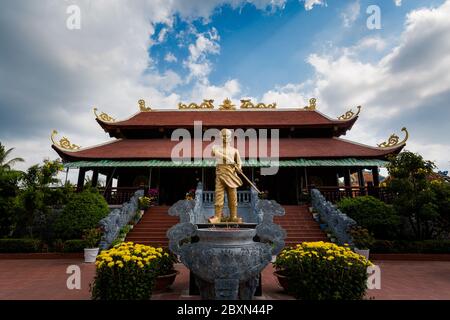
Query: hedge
(75,245)
(20,245)
(405,246)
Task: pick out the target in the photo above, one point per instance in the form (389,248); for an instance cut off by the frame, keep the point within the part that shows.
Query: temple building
(310,150)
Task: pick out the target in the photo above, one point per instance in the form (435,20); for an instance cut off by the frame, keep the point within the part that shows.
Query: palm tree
(4,163)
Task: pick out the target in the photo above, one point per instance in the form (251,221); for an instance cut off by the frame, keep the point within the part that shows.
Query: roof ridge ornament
(393,140)
(247,104)
(206,104)
(312,105)
(103,116)
(142,106)
(64,143)
(227,105)
(350,114)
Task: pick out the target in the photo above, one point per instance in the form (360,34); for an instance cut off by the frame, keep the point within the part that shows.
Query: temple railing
(118,196)
(204,205)
(243,198)
(334,194)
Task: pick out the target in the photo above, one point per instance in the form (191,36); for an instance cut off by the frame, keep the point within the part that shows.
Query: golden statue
(227,180)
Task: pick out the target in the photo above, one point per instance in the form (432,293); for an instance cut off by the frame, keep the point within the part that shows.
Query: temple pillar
(347,178)
(347,182)
(81,176)
(376,177)
(361,181)
(95,178)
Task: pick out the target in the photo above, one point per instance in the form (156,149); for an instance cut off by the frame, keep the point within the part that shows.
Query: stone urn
(226,261)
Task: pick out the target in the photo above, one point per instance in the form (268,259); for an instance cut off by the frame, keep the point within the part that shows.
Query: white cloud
(398,3)
(198,64)
(376,43)
(309,4)
(230,89)
(394,91)
(170,57)
(351,13)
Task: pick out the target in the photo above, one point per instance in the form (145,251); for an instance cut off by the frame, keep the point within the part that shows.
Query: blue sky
(262,49)
(166,52)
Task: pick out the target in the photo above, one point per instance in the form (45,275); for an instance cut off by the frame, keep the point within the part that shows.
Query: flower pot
(364,252)
(282,280)
(164,282)
(90,254)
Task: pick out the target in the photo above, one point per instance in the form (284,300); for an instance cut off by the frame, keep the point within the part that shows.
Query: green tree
(9,189)
(373,214)
(4,154)
(416,199)
(38,196)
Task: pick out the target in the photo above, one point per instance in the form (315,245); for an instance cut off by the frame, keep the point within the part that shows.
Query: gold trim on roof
(350,114)
(247,104)
(227,105)
(103,116)
(206,104)
(394,140)
(64,143)
(142,106)
(312,104)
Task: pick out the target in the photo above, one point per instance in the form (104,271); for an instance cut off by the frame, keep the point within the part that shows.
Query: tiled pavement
(46,279)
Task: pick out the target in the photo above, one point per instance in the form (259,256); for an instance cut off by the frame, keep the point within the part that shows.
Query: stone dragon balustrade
(337,222)
(118,218)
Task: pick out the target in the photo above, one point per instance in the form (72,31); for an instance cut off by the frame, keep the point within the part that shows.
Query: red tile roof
(230,119)
(288,148)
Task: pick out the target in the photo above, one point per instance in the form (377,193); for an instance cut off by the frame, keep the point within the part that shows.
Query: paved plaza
(46,279)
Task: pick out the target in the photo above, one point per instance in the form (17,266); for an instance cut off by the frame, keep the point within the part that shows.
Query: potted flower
(144,203)
(91,239)
(164,270)
(362,240)
(153,194)
(309,271)
(126,272)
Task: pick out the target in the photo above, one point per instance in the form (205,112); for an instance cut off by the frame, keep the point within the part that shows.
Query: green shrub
(83,211)
(373,214)
(323,271)
(405,246)
(20,245)
(362,239)
(75,245)
(126,271)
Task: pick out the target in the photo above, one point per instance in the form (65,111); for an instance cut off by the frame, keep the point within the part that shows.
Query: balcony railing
(118,196)
(334,194)
(243,197)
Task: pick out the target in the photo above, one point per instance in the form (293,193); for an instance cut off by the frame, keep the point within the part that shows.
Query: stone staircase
(152,228)
(298,223)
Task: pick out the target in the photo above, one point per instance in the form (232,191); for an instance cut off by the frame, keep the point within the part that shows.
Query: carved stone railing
(118,218)
(337,222)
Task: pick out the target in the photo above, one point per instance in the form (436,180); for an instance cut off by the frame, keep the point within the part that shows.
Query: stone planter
(90,254)
(364,252)
(226,261)
(164,282)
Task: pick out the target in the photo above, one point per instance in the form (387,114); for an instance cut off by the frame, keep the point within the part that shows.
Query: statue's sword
(224,157)
(247,179)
